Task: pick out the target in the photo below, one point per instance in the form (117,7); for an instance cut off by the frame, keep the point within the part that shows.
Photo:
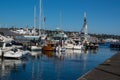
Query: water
(53,66)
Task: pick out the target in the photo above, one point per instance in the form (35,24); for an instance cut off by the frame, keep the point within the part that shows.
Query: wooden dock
(108,70)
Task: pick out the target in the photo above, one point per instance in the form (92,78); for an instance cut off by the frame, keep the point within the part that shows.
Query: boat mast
(40,17)
(84,28)
(42,21)
(60,20)
(34,16)
(85,24)
(84,31)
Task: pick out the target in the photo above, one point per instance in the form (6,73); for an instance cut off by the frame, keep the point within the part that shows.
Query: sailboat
(60,37)
(42,23)
(35,42)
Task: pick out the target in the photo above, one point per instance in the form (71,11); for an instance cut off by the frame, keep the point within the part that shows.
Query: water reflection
(50,65)
(72,55)
(35,54)
(94,51)
(76,56)
(48,53)
(9,66)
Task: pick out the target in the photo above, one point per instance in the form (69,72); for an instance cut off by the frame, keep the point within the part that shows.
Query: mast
(84,28)
(60,20)
(43,22)
(84,32)
(40,17)
(85,24)
(34,27)
(34,17)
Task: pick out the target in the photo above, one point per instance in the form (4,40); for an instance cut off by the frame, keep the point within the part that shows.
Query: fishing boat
(48,46)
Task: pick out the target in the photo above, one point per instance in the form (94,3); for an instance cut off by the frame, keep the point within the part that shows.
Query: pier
(108,70)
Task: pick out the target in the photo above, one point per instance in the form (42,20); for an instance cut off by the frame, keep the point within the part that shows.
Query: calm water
(53,66)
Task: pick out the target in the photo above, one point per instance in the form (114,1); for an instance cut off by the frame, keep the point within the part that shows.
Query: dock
(108,70)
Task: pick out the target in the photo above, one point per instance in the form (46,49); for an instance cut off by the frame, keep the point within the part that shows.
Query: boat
(60,48)
(36,48)
(5,44)
(48,46)
(15,54)
(91,46)
(38,44)
(16,44)
(70,44)
(34,45)
(59,36)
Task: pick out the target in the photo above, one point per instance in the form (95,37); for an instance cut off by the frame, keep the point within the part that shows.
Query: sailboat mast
(60,20)
(85,24)
(40,17)
(84,28)
(34,17)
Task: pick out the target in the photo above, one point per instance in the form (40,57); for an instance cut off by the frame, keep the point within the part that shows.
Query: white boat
(35,48)
(60,49)
(15,54)
(5,44)
(70,44)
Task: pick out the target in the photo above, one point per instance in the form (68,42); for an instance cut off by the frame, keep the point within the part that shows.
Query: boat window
(1,44)
(8,44)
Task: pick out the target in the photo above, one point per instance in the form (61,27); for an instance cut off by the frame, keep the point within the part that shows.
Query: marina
(59,40)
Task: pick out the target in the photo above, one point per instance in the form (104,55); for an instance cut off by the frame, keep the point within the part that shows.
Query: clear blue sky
(103,16)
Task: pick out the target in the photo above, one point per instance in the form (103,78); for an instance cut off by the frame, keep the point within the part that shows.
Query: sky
(103,16)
